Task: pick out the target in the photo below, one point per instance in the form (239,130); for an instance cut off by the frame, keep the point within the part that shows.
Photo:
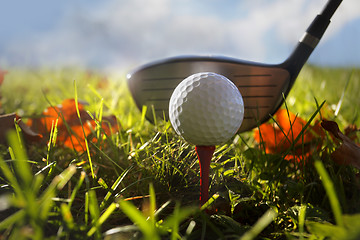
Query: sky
(116,35)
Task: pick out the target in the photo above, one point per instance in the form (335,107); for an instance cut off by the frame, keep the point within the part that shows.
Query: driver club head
(262,86)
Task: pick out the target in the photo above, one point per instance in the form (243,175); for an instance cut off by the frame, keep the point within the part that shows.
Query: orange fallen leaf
(2,75)
(278,138)
(71,131)
(66,111)
(349,152)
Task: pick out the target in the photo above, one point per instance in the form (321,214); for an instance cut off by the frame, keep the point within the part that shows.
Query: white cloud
(125,33)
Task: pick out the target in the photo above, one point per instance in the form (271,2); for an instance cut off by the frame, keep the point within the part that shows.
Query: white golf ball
(206,109)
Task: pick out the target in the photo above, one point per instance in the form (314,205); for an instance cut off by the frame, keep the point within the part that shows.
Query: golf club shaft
(330,8)
(322,21)
(310,40)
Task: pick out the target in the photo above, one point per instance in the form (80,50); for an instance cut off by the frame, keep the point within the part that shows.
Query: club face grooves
(262,86)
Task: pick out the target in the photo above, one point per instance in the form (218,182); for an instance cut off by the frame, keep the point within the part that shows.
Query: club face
(261,85)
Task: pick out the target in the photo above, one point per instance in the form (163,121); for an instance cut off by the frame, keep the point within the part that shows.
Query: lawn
(141,181)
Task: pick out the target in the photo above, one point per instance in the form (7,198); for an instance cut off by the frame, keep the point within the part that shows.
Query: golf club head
(262,86)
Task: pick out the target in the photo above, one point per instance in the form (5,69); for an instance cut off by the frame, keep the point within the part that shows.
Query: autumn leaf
(2,75)
(7,123)
(72,130)
(348,153)
(279,137)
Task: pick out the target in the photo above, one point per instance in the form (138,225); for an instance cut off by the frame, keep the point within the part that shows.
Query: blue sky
(121,34)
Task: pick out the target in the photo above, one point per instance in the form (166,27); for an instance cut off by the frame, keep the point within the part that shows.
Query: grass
(143,182)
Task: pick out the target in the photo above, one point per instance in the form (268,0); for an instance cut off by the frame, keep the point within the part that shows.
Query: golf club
(262,86)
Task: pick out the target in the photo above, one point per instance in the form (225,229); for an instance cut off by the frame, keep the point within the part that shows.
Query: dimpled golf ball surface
(206,109)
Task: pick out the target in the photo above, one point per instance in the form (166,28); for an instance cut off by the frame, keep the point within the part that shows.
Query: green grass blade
(260,225)
(107,157)
(67,216)
(93,206)
(103,218)
(162,208)
(37,183)
(106,199)
(77,187)
(179,215)
(340,102)
(52,139)
(57,183)
(326,230)
(302,214)
(175,222)
(21,164)
(330,191)
(94,212)
(154,115)
(9,175)
(98,95)
(139,219)
(99,119)
(82,126)
(11,220)
(103,184)
(152,204)
(65,176)
(143,116)
(209,202)
(301,134)
(86,208)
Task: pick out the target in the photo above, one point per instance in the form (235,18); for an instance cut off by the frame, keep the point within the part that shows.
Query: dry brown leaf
(7,123)
(349,152)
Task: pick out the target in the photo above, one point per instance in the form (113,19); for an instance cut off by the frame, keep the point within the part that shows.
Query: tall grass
(142,183)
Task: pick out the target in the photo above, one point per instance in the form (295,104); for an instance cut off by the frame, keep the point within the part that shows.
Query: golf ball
(206,109)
